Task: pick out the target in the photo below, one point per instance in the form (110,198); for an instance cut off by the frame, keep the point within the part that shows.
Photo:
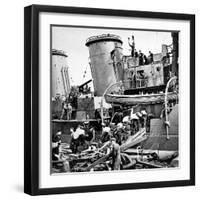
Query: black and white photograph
(114,99)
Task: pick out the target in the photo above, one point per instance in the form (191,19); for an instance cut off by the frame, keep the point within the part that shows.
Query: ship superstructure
(133,83)
(150,85)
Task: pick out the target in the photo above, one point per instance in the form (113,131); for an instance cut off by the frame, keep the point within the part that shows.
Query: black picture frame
(31,98)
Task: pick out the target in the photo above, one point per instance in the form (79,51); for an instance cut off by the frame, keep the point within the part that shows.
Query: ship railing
(171,82)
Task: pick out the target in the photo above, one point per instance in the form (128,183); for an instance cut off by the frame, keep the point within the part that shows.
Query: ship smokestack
(101,63)
(60,76)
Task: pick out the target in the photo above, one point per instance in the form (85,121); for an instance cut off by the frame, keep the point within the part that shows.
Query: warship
(144,93)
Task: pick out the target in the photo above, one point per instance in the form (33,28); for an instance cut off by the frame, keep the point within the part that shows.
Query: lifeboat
(139,99)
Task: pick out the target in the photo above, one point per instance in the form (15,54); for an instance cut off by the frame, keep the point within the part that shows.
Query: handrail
(166,114)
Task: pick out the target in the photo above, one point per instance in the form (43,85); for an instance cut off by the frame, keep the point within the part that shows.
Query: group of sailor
(129,125)
(143,59)
(113,135)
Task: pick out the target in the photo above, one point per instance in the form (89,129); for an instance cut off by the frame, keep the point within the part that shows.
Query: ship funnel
(101,63)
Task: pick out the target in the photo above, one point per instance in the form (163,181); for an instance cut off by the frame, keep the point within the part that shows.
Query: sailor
(167,58)
(134,122)
(141,59)
(112,127)
(118,117)
(144,116)
(140,119)
(115,154)
(127,127)
(132,45)
(112,149)
(89,132)
(69,111)
(136,54)
(77,138)
(150,57)
(118,133)
(97,114)
(86,125)
(125,119)
(64,110)
(106,133)
(149,117)
(62,164)
(56,141)
(145,60)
